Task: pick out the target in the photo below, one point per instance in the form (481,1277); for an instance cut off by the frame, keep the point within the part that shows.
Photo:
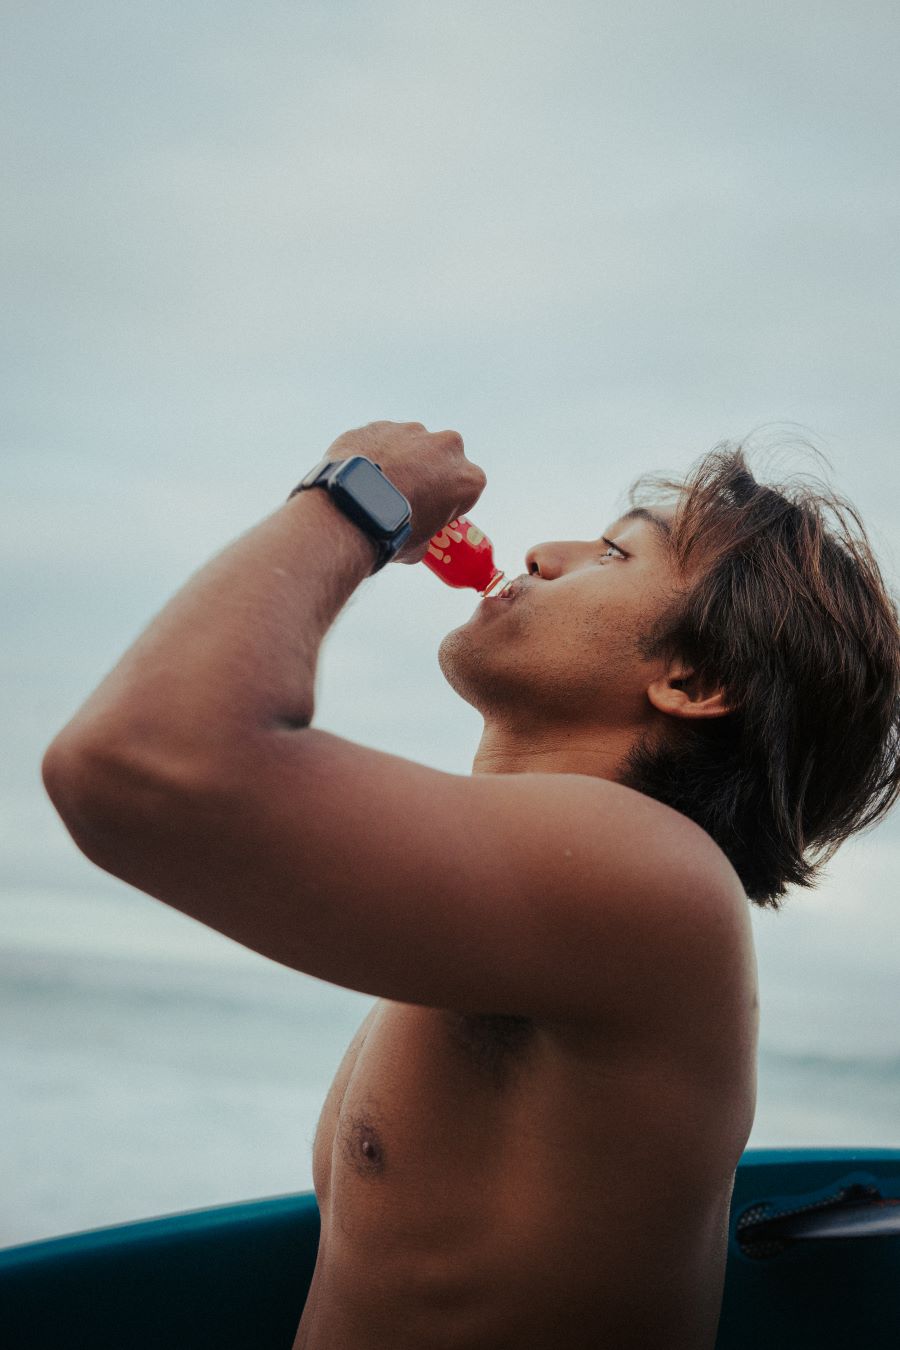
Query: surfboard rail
(237,1275)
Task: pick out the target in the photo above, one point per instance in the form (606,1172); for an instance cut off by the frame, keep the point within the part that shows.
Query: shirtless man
(532,1140)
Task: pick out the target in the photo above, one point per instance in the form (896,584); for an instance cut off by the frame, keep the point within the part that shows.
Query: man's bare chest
(456,1156)
(409,1077)
(430,1108)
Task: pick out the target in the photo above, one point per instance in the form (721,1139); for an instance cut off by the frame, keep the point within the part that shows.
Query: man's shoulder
(649,899)
(683,902)
(667,837)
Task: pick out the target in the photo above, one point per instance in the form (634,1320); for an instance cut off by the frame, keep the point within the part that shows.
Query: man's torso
(487,1182)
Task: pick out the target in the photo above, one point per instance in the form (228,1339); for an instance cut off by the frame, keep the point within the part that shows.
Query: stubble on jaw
(471,665)
(464,666)
(564,683)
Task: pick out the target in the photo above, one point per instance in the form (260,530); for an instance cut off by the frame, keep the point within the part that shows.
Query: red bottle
(461,555)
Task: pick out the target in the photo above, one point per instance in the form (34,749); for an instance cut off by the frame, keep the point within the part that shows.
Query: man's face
(562,651)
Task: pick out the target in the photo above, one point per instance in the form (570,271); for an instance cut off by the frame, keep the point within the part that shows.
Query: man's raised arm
(193,774)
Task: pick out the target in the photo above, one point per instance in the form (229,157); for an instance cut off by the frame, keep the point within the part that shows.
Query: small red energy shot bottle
(462,555)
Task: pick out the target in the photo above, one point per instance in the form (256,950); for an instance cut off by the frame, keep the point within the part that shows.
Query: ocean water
(149,1065)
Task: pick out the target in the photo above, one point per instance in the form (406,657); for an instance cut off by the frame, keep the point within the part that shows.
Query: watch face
(365,484)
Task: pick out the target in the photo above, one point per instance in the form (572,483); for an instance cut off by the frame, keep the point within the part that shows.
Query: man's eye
(614,547)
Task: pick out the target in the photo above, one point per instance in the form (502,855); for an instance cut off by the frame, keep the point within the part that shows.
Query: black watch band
(366,496)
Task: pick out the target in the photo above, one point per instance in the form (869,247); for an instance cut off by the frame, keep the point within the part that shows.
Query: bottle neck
(496,580)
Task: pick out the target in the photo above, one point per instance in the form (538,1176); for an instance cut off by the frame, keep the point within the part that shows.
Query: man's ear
(679,693)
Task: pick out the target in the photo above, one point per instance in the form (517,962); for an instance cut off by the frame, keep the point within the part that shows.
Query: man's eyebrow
(641,513)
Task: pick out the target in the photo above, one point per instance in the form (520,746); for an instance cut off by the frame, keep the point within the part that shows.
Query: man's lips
(509,590)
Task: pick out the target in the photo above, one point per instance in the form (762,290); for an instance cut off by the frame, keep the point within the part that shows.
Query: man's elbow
(103,791)
(71,771)
(79,780)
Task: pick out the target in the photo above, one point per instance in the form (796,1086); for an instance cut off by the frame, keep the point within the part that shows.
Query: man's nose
(553,558)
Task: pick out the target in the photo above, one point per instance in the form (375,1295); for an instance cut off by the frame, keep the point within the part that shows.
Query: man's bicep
(547,895)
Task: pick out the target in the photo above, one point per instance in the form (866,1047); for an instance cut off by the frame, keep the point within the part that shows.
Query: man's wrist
(363,493)
(351,536)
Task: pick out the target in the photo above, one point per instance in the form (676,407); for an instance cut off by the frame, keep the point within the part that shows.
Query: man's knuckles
(452,439)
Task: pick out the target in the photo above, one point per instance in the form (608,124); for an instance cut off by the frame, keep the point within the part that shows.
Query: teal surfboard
(813,1264)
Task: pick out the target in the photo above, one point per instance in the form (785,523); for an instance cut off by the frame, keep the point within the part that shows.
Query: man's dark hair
(785,607)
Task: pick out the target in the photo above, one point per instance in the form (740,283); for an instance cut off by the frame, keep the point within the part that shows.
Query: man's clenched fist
(430,468)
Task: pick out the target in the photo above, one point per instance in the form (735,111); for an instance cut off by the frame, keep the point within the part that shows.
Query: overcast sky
(595,240)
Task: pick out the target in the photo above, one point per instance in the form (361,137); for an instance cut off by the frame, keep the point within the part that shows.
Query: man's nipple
(365,1148)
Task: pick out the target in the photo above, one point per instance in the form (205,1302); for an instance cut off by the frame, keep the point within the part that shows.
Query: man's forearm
(233,655)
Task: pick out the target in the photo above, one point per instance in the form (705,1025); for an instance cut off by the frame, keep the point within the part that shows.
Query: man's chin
(461,659)
(465,662)
(453,648)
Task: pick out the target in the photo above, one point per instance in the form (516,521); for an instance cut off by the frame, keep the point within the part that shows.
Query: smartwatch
(359,489)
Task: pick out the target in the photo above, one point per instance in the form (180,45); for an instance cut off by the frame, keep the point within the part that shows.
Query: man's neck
(597,755)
